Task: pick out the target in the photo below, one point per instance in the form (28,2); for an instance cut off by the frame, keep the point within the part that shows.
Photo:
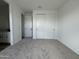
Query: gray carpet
(38,49)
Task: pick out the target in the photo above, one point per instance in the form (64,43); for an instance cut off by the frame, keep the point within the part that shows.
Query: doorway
(4,25)
(27,25)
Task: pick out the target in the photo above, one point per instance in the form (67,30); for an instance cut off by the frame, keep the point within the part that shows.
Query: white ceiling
(28,5)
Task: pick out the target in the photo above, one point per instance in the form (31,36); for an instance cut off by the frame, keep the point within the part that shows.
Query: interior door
(45,26)
(28,26)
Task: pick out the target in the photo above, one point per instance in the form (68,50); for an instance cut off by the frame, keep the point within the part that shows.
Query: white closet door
(45,26)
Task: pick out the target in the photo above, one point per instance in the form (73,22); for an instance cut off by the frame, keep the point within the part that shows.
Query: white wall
(50,29)
(69,25)
(15,22)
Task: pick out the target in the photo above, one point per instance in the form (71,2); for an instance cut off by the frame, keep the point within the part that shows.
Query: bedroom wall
(15,22)
(69,25)
(49,31)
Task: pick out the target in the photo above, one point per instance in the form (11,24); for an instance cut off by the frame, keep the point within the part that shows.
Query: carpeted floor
(38,49)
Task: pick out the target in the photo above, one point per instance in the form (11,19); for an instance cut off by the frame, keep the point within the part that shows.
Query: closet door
(45,26)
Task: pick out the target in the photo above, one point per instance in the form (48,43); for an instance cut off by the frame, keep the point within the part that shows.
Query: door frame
(31,24)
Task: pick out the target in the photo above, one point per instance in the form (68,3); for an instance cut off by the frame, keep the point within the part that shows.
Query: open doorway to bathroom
(4,25)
